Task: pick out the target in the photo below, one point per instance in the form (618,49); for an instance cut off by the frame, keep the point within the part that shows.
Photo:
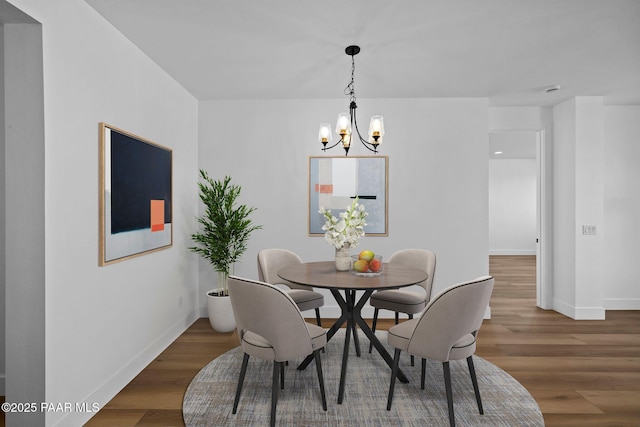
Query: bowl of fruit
(367,263)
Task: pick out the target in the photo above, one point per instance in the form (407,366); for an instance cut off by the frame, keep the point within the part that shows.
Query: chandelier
(348,121)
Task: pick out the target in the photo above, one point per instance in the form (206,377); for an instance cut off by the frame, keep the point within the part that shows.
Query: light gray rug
(209,398)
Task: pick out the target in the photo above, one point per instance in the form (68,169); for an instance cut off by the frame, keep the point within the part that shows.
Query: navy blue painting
(136,195)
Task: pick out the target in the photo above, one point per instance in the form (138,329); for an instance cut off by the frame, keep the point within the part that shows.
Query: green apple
(366,255)
(361,265)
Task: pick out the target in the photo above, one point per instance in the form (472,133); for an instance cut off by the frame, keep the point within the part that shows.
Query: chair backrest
(451,314)
(417,258)
(265,310)
(272,260)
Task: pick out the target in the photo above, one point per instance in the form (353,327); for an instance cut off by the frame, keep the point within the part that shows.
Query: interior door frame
(543,292)
(541,223)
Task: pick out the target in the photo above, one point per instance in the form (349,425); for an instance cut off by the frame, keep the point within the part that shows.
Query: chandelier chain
(351,89)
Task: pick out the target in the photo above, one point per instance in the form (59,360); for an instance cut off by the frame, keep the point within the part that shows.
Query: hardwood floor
(580,372)
(583,373)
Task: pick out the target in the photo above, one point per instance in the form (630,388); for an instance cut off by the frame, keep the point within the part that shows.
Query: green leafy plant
(225,225)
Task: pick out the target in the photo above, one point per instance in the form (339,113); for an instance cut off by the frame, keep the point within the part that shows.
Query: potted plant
(222,240)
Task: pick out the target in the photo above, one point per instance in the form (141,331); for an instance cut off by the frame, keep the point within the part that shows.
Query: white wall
(621,207)
(578,201)
(512,207)
(589,198)
(438,178)
(104,324)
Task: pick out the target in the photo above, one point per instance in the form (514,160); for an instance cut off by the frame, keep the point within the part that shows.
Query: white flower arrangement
(349,228)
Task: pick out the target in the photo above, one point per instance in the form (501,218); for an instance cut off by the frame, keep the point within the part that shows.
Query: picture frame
(334,182)
(135,188)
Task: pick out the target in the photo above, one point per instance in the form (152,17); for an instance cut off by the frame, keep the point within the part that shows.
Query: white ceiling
(506,50)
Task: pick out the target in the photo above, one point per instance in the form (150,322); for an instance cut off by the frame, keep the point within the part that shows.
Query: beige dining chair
(446,330)
(272,260)
(402,300)
(270,326)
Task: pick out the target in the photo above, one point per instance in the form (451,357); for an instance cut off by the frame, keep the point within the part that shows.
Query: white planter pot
(220,313)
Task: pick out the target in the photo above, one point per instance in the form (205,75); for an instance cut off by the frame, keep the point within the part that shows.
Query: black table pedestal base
(352,314)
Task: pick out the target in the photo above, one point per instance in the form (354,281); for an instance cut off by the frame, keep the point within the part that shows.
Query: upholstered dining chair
(272,260)
(402,300)
(446,330)
(270,326)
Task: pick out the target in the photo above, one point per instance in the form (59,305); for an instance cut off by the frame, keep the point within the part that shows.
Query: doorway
(516,198)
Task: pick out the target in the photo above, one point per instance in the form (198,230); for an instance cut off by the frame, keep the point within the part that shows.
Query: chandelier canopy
(348,121)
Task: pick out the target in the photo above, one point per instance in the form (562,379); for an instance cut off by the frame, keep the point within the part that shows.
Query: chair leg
(397,317)
(243,370)
(281,375)
(394,374)
(274,392)
(447,384)
(424,373)
(319,321)
(373,326)
(320,379)
(413,361)
(474,380)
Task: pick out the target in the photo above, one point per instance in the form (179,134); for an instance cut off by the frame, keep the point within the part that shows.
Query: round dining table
(323,274)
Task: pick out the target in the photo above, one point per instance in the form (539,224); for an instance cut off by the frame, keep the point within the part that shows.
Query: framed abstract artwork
(135,196)
(335,181)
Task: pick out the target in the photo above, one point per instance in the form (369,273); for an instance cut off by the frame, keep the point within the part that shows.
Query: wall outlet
(589,230)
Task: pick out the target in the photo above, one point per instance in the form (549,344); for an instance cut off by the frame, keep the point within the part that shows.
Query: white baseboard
(579,313)
(112,386)
(590,313)
(621,303)
(563,308)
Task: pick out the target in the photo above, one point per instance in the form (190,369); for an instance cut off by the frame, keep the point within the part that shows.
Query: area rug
(208,400)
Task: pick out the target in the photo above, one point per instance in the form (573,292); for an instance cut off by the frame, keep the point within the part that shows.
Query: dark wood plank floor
(581,373)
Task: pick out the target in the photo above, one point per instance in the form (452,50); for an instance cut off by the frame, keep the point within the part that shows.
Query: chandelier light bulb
(346,140)
(343,126)
(376,130)
(324,134)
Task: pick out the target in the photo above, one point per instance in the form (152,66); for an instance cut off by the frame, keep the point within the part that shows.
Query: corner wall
(578,201)
(25,221)
(103,324)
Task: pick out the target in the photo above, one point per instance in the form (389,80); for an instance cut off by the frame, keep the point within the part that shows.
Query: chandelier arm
(354,122)
(325,148)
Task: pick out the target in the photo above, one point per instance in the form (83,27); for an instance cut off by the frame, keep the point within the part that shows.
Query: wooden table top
(323,274)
